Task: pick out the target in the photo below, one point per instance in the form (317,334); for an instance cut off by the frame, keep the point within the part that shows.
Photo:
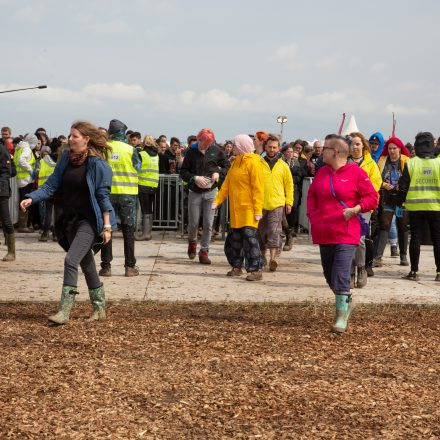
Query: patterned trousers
(242,245)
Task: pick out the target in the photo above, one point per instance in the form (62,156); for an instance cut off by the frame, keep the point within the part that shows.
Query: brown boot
(131,271)
(273,265)
(255,276)
(289,240)
(105,272)
(235,272)
(10,242)
(203,257)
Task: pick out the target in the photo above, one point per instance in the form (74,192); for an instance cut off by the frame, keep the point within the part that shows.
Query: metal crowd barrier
(13,201)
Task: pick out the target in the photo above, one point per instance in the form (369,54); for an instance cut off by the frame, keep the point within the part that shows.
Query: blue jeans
(336,261)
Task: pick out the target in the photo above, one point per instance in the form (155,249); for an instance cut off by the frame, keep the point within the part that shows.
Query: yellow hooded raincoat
(244,185)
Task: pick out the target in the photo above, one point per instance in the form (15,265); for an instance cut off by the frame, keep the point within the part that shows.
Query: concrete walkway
(168,275)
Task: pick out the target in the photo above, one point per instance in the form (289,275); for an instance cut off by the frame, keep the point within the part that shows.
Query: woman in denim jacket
(81,184)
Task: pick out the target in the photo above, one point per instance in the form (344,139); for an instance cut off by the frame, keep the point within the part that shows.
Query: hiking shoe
(369,271)
(131,271)
(203,257)
(105,272)
(394,251)
(255,276)
(403,260)
(413,276)
(437,277)
(235,272)
(377,262)
(44,236)
(192,250)
(273,265)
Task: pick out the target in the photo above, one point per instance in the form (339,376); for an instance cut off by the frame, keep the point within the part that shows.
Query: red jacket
(353,187)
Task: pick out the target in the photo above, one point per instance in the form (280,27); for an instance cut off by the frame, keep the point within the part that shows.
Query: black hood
(115,126)
(424,145)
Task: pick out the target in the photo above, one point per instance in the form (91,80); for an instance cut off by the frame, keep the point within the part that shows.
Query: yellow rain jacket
(244,186)
(278,185)
(371,168)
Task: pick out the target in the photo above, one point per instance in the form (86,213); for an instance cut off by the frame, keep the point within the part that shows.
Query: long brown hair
(365,144)
(97,144)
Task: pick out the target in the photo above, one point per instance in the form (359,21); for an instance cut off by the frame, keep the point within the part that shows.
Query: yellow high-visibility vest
(45,171)
(424,189)
(149,173)
(21,172)
(125,176)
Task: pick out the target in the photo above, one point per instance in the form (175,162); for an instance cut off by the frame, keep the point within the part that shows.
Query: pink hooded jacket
(353,187)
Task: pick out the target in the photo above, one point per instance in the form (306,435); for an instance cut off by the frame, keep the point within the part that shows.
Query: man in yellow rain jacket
(278,196)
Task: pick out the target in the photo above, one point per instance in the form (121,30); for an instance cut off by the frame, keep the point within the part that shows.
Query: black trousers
(125,206)
(242,245)
(5,216)
(146,200)
(418,221)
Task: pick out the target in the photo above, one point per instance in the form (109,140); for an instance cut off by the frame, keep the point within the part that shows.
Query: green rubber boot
(67,301)
(97,298)
(344,307)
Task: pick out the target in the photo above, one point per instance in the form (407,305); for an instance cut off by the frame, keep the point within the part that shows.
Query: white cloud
(378,68)
(251,89)
(407,111)
(30,14)
(126,92)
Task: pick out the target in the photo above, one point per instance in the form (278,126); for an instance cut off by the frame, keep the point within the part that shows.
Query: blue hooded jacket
(379,150)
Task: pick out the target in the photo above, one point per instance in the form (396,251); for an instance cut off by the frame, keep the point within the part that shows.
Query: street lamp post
(282,120)
(26,88)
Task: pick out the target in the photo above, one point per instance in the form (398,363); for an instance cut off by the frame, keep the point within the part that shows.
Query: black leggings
(242,244)
(418,222)
(5,216)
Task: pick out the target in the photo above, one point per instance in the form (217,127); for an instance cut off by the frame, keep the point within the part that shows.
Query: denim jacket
(99,180)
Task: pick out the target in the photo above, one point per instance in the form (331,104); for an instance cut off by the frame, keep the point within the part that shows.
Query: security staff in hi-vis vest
(46,169)
(419,186)
(148,184)
(125,163)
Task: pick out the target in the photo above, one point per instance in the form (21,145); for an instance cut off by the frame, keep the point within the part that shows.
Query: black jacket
(5,162)
(197,164)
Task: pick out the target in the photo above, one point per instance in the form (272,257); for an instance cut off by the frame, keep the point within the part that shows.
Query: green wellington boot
(97,298)
(67,301)
(344,307)
(10,242)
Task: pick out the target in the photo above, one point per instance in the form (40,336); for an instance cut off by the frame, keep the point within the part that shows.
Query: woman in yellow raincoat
(244,186)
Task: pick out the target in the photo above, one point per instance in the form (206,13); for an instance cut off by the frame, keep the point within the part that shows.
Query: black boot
(403,247)
(289,240)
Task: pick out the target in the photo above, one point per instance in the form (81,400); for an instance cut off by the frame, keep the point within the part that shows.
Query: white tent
(351,126)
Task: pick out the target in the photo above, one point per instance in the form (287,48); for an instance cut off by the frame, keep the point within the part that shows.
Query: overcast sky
(176,66)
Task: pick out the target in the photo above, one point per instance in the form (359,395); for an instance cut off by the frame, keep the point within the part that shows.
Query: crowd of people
(365,192)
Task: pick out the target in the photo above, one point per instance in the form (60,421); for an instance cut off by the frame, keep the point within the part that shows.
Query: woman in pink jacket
(339,192)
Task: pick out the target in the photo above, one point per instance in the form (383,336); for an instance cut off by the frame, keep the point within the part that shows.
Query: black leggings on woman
(242,244)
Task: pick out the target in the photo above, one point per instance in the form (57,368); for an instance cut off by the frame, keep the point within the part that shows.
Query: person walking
(82,181)
(391,165)
(125,163)
(7,170)
(360,154)
(201,169)
(148,183)
(244,186)
(338,194)
(278,197)
(419,187)
(24,161)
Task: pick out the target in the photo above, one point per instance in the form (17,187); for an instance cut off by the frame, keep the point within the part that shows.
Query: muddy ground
(214,371)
